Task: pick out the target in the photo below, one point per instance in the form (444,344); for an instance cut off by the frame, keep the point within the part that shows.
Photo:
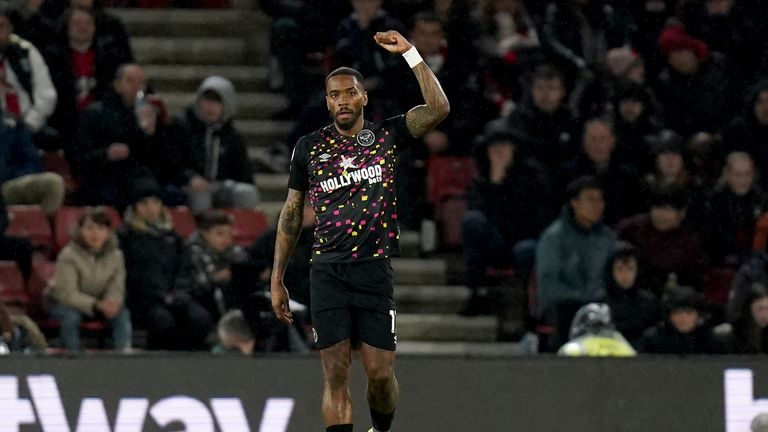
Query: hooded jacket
(82,277)
(216,151)
(570,261)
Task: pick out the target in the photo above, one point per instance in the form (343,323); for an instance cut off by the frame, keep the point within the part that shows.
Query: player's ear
(365,98)
(328,103)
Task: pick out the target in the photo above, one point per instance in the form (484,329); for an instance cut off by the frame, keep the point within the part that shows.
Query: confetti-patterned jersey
(351,185)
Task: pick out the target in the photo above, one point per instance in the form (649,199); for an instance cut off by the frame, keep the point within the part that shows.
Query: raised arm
(288,231)
(422,118)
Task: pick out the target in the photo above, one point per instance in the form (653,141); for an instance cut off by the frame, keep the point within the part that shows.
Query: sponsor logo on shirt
(371,174)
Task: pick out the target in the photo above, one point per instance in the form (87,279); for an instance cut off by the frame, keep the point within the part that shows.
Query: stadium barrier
(277,394)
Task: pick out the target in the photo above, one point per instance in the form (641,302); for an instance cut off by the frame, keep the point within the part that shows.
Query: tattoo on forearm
(288,230)
(423,118)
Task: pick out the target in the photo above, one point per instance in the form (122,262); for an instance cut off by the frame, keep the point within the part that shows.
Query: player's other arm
(422,118)
(288,231)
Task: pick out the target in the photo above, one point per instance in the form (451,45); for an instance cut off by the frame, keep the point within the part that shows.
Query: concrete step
(263,133)
(441,328)
(468,349)
(196,23)
(177,78)
(435,299)
(196,50)
(415,271)
(250,106)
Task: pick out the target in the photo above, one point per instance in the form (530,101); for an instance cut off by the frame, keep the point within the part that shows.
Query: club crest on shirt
(324,157)
(365,137)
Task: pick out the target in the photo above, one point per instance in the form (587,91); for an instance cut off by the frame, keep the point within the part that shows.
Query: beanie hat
(675,38)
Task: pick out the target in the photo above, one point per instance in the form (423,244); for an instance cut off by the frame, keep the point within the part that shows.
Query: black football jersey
(351,185)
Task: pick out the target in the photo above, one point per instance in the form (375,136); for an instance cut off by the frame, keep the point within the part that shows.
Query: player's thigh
(331,316)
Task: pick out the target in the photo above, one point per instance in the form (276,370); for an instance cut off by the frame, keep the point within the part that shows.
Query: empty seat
(248,225)
(67,217)
(717,285)
(448,176)
(30,222)
(183,221)
(448,215)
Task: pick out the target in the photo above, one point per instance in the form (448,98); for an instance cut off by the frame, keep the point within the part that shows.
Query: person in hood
(210,158)
(571,256)
(684,330)
(89,282)
(153,257)
(749,131)
(635,120)
(749,334)
(634,310)
(510,203)
(593,335)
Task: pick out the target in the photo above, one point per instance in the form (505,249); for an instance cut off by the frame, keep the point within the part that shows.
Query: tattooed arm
(288,231)
(422,118)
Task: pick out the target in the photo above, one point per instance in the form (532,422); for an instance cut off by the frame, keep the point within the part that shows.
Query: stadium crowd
(601,150)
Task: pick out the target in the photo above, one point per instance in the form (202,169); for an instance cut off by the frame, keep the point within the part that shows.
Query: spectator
(667,247)
(749,131)
(115,137)
(28,95)
(669,173)
(544,121)
(695,88)
(505,28)
(21,176)
(82,70)
(650,17)
(593,335)
(753,272)
(153,257)
(19,333)
(89,281)
(509,206)
(235,336)
(732,211)
(33,26)
(683,330)
(635,120)
(571,256)
(634,310)
(210,159)
(210,260)
(598,159)
(625,65)
(749,335)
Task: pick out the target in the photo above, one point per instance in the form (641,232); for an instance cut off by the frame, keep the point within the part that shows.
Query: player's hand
(280,302)
(392,41)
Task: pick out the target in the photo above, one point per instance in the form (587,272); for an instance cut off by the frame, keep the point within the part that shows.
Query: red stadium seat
(57,163)
(67,217)
(761,233)
(30,222)
(12,289)
(248,225)
(448,176)
(448,215)
(183,221)
(717,285)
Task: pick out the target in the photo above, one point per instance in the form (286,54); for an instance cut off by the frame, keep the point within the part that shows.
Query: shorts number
(393,314)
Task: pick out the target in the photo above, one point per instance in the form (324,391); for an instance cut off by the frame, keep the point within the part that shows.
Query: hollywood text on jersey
(373,174)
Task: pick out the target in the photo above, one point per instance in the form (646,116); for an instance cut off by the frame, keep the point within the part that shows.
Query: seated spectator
(153,257)
(81,69)
(571,256)
(509,205)
(695,89)
(544,121)
(705,163)
(753,272)
(749,335)
(210,261)
(667,246)
(28,95)
(633,310)
(593,335)
(89,282)
(635,119)
(19,333)
(731,212)
(625,65)
(21,176)
(235,336)
(749,131)
(597,158)
(683,330)
(669,172)
(114,141)
(209,158)
(33,26)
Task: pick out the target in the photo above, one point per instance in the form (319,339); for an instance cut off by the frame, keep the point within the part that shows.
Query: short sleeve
(399,127)
(299,174)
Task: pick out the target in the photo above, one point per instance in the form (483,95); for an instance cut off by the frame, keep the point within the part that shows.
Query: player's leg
(382,389)
(337,404)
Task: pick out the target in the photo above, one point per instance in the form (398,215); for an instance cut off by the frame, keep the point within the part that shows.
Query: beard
(349,123)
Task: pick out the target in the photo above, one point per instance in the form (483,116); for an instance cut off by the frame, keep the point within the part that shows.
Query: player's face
(345,98)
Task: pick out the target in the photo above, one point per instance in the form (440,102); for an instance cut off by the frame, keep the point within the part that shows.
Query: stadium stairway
(179,48)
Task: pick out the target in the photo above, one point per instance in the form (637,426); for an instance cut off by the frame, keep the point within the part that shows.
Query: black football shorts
(353,301)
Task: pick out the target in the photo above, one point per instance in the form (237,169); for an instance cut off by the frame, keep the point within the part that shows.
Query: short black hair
(623,251)
(97,215)
(213,219)
(345,71)
(676,199)
(547,72)
(574,188)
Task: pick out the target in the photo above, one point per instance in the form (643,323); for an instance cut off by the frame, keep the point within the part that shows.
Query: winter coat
(570,261)
(191,142)
(665,339)
(745,133)
(754,271)
(729,225)
(201,263)
(83,277)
